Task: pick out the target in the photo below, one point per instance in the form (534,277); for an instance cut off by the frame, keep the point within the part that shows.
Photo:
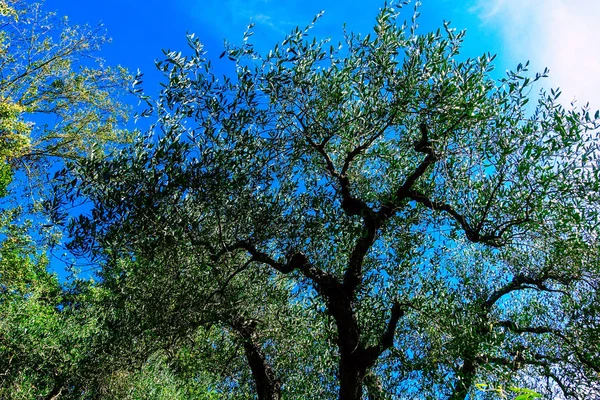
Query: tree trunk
(268,387)
(353,363)
(465,376)
(352,373)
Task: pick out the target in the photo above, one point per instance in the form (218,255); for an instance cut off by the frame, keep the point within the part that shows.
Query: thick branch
(422,146)
(350,204)
(517,283)
(372,222)
(472,234)
(327,284)
(387,339)
(353,274)
(296,261)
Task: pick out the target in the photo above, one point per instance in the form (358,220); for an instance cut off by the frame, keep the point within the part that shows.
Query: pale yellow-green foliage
(154,381)
(57,99)
(15,132)
(6,10)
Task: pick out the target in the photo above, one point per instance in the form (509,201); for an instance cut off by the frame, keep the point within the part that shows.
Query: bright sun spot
(562,35)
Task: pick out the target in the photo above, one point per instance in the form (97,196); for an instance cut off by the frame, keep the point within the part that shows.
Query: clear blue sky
(140,29)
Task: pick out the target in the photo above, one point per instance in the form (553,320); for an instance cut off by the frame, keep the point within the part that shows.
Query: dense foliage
(56,98)
(380,219)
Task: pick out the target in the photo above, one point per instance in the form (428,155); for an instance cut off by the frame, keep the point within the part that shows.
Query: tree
(45,342)
(431,230)
(56,97)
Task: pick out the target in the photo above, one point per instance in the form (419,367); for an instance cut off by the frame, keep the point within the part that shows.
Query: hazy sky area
(562,35)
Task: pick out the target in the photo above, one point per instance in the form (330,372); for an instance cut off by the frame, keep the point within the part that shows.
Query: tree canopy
(56,97)
(377,219)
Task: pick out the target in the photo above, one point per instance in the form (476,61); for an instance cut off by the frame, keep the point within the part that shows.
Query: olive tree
(438,233)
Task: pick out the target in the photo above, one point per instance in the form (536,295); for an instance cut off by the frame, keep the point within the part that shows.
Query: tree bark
(465,381)
(356,359)
(352,374)
(268,386)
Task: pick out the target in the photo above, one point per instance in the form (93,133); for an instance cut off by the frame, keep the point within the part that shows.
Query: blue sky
(559,34)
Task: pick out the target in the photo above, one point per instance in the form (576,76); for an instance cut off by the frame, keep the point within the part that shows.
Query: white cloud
(562,35)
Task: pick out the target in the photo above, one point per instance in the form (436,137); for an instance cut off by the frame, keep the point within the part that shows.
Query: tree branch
(350,204)
(372,221)
(353,274)
(221,290)
(464,380)
(422,146)
(517,283)
(566,391)
(327,284)
(513,327)
(490,200)
(472,234)
(387,338)
(515,363)
(363,146)
(297,261)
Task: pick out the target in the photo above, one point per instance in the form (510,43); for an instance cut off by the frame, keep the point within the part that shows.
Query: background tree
(56,97)
(44,338)
(213,316)
(444,230)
